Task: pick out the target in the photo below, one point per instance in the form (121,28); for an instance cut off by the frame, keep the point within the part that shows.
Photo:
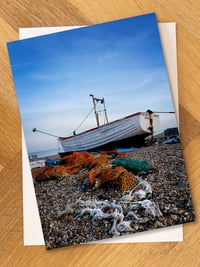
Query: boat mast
(105,111)
(95,111)
(102,101)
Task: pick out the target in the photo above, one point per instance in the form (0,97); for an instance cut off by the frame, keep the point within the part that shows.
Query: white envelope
(33,234)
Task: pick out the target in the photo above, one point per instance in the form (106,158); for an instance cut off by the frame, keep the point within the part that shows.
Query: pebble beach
(70,217)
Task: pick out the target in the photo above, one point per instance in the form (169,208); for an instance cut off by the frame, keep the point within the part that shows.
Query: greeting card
(101,93)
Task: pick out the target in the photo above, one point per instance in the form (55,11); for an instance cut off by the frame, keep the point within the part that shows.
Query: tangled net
(98,170)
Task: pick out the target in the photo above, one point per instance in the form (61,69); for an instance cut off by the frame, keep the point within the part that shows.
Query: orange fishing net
(78,159)
(116,175)
(98,169)
(100,160)
(46,173)
(114,154)
(39,173)
(56,172)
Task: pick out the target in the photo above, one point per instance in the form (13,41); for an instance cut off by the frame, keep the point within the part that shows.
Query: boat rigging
(36,130)
(97,112)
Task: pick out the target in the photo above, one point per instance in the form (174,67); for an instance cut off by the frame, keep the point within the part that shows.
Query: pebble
(170,192)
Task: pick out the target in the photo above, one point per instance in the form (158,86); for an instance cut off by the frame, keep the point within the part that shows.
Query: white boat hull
(122,129)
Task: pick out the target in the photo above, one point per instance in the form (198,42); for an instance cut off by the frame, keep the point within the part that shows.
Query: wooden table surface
(27,13)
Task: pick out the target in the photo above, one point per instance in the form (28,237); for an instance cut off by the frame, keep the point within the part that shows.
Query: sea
(45,153)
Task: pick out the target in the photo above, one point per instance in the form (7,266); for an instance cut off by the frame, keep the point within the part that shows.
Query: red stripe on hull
(132,115)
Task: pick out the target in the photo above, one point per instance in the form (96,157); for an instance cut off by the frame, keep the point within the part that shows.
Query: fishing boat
(125,132)
(129,131)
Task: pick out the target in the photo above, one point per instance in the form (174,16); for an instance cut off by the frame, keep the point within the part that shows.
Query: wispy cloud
(44,76)
(106,56)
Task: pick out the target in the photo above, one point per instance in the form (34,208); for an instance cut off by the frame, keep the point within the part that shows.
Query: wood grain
(27,13)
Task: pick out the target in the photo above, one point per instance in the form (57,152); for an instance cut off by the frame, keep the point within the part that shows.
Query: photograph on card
(101,132)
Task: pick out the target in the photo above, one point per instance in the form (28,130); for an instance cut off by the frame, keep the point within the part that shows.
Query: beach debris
(136,219)
(52,162)
(68,211)
(84,185)
(114,213)
(171,141)
(98,170)
(125,226)
(114,154)
(34,164)
(48,173)
(151,208)
(103,211)
(140,194)
(107,174)
(145,191)
(131,164)
(39,174)
(139,191)
(77,161)
(57,172)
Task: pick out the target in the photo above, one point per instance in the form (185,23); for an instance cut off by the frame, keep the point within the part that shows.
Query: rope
(103,120)
(82,121)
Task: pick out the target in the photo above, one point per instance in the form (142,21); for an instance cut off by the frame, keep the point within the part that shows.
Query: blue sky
(54,75)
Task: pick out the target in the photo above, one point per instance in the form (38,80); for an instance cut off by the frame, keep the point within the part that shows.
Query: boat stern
(149,122)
